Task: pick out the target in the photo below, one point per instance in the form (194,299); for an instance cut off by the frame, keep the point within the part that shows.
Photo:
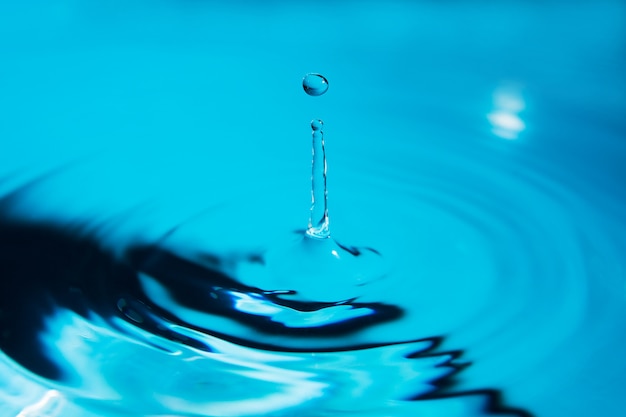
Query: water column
(318,219)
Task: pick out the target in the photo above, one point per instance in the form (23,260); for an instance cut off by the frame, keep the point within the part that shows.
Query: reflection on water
(504,118)
(83,329)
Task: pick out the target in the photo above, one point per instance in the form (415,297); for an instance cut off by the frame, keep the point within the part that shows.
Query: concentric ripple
(495,274)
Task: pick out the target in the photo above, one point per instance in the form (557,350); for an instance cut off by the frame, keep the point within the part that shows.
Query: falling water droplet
(315,84)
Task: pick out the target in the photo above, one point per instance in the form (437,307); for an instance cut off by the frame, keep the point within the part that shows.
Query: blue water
(156,184)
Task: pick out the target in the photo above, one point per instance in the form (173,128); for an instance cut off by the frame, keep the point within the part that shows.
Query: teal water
(156,187)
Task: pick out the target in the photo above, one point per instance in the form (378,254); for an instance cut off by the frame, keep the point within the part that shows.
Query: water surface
(156,164)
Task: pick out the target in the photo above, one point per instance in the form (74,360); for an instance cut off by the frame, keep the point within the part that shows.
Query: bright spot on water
(48,405)
(505,120)
(509,99)
(506,125)
(315,84)
(253,305)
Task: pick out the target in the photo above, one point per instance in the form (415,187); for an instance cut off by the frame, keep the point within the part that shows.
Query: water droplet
(317,125)
(315,84)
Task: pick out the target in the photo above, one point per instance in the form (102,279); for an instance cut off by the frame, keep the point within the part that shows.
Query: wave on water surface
(154,333)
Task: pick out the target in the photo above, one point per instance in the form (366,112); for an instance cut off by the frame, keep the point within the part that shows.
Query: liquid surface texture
(155,186)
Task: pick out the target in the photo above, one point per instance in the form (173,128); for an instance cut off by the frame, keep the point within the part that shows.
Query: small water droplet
(317,125)
(315,84)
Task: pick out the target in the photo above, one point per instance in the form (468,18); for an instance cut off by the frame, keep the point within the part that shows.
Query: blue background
(152,111)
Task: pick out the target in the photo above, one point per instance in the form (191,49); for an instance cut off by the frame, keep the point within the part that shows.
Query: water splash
(300,263)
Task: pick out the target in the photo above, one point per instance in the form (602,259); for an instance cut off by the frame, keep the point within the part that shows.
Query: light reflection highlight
(257,383)
(505,120)
(49,405)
